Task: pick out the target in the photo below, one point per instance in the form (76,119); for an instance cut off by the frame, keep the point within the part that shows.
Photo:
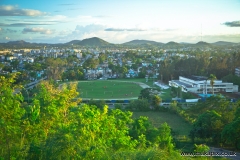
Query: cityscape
(120,80)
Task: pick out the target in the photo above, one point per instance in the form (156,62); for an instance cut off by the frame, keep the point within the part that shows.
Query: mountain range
(97,42)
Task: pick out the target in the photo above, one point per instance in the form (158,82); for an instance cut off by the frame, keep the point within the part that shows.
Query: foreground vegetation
(215,121)
(56,126)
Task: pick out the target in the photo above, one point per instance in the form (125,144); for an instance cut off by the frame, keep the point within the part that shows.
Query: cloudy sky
(119,21)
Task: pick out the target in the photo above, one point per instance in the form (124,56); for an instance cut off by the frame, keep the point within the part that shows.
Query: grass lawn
(143,80)
(179,127)
(105,89)
(108,89)
(166,95)
(176,122)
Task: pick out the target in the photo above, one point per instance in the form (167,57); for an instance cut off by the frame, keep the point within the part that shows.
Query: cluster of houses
(195,84)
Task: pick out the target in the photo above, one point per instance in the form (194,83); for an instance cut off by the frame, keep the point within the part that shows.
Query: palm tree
(212,78)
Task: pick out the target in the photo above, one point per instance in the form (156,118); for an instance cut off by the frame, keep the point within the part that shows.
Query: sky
(119,21)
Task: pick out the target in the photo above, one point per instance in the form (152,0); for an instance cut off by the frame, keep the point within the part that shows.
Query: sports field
(108,89)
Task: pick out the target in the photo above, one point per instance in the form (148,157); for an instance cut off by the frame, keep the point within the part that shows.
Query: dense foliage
(214,121)
(58,126)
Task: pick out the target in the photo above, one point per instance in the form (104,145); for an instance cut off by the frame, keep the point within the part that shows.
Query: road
(220,150)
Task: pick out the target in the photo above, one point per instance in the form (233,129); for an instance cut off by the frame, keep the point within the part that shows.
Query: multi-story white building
(201,85)
(237,71)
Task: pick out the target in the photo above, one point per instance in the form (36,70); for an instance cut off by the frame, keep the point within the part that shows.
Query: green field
(108,89)
(178,125)
(115,89)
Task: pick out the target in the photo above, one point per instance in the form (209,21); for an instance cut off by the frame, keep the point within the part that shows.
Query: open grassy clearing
(178,125)
(142,80)
(108,89)
(115,89)
(166,94)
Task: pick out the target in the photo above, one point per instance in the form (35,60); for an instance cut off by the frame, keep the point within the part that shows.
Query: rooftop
(196,78)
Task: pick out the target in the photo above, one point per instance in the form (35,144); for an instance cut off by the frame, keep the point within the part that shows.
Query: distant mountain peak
(17,42)
(202,43)
(142,42)
(172,43)
(223,43)
(95,41)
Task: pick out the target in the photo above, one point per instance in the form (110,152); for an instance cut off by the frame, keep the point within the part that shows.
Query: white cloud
(123,29)
(7,38)
(37,30)
(9,10)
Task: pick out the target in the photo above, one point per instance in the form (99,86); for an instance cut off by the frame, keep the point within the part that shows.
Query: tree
(57,126)
(212,78)
(202,148)
(231,134)
(91,63)
(208,125)
(156,100)
(48,115)
(139,105)
(55,68)
(11,123)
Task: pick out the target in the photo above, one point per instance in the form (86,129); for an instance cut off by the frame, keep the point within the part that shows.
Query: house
(201,85)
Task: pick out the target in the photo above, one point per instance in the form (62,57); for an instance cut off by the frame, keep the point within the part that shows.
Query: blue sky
(60,21)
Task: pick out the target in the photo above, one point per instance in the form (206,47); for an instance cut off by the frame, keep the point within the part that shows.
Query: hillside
(73,42)
(95,41)
(142,42)
(172,43)
(20,42)
(202,43)
(98,42)
(223,43)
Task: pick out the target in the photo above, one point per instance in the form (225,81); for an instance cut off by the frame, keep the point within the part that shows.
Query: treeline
(202,64)
(58,126)
(215,121)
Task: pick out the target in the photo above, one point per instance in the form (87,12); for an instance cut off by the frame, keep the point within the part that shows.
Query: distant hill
(223,43)
(20,42)
(73,42)
(172,43)
(201,43)
(95,41)
(142,42)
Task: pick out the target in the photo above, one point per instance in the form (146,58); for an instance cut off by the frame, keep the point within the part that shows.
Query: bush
(138,105)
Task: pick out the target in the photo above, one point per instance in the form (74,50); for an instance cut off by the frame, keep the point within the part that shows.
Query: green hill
(95,41)
(142,42)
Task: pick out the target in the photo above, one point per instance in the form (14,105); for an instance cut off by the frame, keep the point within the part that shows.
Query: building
(237,71)
(79,55)
(201,85)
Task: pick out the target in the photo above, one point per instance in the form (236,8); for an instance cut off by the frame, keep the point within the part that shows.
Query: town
(162,64)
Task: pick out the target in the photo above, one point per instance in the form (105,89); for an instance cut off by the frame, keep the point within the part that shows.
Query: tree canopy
(56,125)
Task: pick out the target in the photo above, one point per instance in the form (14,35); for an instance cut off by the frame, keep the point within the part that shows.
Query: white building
(201,85)
(11,58)
(237,71)
(79,55)
(30,60)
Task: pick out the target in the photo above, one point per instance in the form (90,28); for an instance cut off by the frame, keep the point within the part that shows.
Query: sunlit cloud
(8,10)
(123,29)
(37,30)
